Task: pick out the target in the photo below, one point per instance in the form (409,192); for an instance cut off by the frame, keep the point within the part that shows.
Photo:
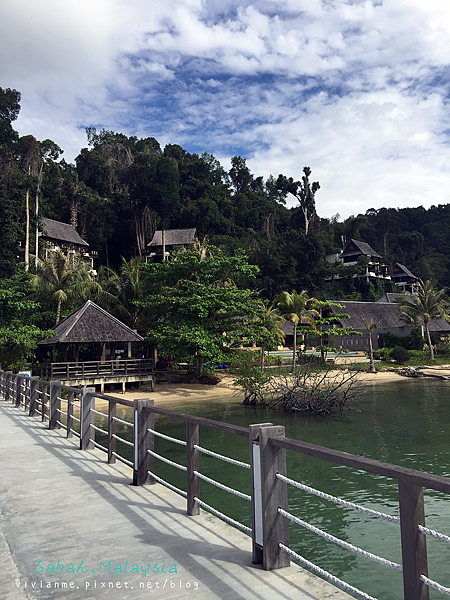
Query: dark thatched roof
(90,324)
(355,247)
(174,237)
(63,232)
(385,315)
(400,270)
(391,297)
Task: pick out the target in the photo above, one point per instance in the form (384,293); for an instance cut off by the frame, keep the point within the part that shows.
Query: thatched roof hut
(92,324)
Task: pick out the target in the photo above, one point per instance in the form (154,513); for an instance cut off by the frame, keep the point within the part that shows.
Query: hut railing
(91,369)
(268,478)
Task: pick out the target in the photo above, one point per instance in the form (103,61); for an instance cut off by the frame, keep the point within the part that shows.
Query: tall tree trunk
(263,350)
(294,354)
(27,232)
(58,311)
(163,241)
(372,365)
(38,191)
(430,345)
(199,363)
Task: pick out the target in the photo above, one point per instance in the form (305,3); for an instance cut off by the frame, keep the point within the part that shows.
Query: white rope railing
(98,413)
(61,411)
(167,485)
(222,516)
(98,445)
(124,422)
(167,461)
(62,424)
(76,419)
(99,430)
(167,437)
(434,584)
(223,487)
(332,538)
(221,457)
(329,576)
(435,534)
(122,440)
(75,432)
(367,511)
(124,460)
(62,399)
(77,405)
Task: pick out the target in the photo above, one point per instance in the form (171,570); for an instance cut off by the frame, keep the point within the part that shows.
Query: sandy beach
(167,394)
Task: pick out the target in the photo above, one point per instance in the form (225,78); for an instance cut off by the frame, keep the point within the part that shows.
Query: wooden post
(9,380)
(19,381)
(273,496)
(70,399)
(414,548)
(44,401)
(144,419)
(34,396)
(112,409)
(87,417)
(257,521)
(193,464)
(55,405)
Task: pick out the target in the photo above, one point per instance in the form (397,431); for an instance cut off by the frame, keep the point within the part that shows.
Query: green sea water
(405,423)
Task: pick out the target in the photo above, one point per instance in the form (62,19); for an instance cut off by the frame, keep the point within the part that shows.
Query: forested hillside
(121,189)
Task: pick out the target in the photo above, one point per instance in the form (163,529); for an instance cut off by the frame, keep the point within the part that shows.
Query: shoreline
(166,394)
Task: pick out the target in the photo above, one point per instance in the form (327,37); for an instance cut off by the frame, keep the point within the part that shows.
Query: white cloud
(355,89)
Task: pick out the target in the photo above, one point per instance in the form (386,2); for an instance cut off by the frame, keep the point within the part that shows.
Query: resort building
(174,239)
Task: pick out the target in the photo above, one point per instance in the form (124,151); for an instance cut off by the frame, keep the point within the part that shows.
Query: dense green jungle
(121,189)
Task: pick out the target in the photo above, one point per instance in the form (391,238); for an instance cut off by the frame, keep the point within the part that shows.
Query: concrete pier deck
(65,510)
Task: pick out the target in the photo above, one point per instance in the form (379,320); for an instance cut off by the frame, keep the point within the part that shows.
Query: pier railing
(268,475)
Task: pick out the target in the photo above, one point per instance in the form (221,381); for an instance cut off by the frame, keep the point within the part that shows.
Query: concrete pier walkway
(68,511)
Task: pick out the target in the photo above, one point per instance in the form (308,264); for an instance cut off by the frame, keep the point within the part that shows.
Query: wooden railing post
(55,405)
(257,519)
(193,464)
(273,496)
(87,433)
(44,400)
(112,442)
(414,547)
(70,399)
(144,419)
(19,381)
(34,396)
(8,382)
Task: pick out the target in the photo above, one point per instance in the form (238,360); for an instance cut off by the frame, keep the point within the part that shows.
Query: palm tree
(370,326)
(425,304)
(294,307)
(270,324)
(61,278)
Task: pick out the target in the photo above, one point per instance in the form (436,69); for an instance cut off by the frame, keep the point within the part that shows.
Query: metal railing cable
(61,411)
(434,584)
(223,487)
(167,485)
(222,457)
(116,437)
(77,405)
(167,461)
(367,511)
(124,422)
(332,538)
(329,576)
(167,437)
(222,516)
(76,419)
(75,432)
(435,534)
(62,399)
(122,459)
(62,424)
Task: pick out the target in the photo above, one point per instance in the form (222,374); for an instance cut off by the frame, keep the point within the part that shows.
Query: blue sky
(356,90)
